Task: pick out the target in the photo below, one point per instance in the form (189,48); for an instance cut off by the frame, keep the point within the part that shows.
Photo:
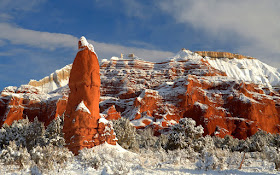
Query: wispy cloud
(45,40)
(52,41)
(255,23)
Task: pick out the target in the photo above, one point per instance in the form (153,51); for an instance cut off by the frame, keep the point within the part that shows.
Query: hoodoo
(83,126)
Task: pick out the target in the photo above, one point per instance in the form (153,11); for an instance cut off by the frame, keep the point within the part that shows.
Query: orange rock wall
(15,108)
(213,54)
(221,105)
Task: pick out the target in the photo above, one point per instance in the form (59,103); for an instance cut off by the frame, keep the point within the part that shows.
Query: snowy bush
(276,140)
(15,155)
(186,134)
(259,141)
(256,142)
(54,134)
(89,158)
(24,141)
(207,161)
(25,133)
(147,140)
(50,157)
(232,159)
(112,159)
(273,155)
(132,139)
(228,142)
(32,134)
(218,159)
(126,134)
(44,158)
(181,156)
(157,159)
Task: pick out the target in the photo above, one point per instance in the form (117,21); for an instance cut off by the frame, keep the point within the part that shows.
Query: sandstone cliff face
(213,54)
(28,101)
(159,94)
(82,124)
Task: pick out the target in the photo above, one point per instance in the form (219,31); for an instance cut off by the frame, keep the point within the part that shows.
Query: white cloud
(51,41)
(33,38)
(255,22)
(5,17)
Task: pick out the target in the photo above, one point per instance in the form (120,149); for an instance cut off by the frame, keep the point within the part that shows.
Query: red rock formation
(159,94)
(240,111)
(82,126)
(153,95)
(28,101)
(112,113)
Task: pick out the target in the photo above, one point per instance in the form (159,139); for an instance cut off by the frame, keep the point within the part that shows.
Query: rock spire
(83,126)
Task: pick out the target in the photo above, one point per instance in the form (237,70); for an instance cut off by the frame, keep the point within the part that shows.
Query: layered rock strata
(226,96)
(30,102)
(55,80)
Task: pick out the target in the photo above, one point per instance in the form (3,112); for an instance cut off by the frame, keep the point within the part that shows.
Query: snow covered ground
(115,160)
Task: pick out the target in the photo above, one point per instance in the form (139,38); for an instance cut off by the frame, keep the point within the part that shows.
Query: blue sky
(39,36)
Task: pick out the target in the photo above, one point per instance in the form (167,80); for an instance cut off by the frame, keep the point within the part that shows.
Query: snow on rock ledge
(82,107)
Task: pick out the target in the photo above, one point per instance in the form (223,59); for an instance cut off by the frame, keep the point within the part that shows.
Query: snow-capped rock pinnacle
(83,43)
(82,127)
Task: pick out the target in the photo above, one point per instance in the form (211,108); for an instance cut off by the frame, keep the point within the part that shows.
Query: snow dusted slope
(249,70)
(184,54)
(54,81)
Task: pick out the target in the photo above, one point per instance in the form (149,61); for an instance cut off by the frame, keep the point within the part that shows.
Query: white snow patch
(184,55)
(85,44)
(250,70)
(202,106)
(139,122)
(103,120)
(82,107)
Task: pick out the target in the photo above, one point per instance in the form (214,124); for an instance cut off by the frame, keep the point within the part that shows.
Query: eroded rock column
(82,124)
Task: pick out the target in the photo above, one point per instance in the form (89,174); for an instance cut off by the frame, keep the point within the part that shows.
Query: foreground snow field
(116,160)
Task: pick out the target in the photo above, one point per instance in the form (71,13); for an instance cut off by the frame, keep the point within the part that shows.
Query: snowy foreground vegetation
(28,148)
